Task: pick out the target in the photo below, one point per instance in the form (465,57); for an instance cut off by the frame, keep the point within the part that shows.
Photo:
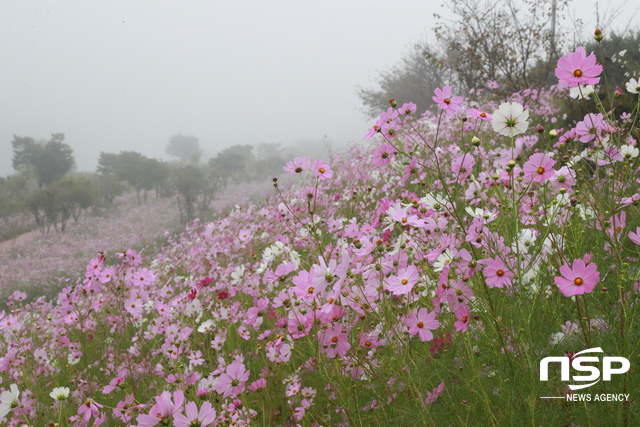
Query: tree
(185,148)
(513,43)
(51,160)
(61,201)
(412,80)
(196,187)
(129,166)
(234,162)
(73,196)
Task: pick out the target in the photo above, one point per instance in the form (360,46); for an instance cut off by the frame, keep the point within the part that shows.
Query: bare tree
(512,42)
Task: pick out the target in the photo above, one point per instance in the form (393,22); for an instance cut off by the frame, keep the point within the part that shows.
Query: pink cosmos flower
(404,282)
(576,68)
(386,117)
(635,237)
(496,273)
(163,409)
(88,409)
(119,379)
(143,277)
(232,382)
(322,170)
(421,323)
(432,395)
(205,417)
(578,279)
(539,168)
(563,178)
(258,384)
(445,101)
(383,155)
(408,108)
(480,114)
(463,165)
(399,214)
(334,341)
(462,314)
(297,165)
(591,126)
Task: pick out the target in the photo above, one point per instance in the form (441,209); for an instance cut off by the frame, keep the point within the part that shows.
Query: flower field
(418,279)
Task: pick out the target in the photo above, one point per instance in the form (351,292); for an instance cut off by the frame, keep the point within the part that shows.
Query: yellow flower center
(577,73)
(578,281)
(540,170)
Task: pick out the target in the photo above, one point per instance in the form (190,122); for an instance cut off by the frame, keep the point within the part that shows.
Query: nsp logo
(576,363)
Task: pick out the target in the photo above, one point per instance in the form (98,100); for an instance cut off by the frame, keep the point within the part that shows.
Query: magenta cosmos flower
(445,101)
(578,279)
(576,68)
(539,168)
(421,323)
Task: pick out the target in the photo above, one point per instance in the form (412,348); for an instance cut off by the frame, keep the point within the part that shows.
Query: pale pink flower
(233,381)
(404,282)
(297,165)
(205,417)
(322,170)
(421,323)
(445,101)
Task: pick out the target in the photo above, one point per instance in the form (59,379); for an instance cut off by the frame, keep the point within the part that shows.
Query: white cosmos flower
(443,260)
(629,151)
(7,400)
(481,213)
(633,86)
(60,393)
(510,119)
(582,92)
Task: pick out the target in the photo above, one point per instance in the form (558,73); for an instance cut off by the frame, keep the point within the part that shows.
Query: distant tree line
(47,186)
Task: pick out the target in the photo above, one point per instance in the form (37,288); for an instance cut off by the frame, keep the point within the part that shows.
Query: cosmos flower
(7,400)
(539,168)
(633,86)
(445,101)
(421,323)
(578,279)
(510,119)
(576,68)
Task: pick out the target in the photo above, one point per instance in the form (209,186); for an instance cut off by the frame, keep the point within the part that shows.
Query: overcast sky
(126,75)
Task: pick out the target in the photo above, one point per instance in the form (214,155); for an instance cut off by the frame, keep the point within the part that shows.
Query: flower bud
(393,103)
(597,34)
(475,141)
(540,129)
(511,163)
(553,133)
(617,93)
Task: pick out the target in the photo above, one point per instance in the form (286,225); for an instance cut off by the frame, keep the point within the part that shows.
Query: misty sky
(126,75)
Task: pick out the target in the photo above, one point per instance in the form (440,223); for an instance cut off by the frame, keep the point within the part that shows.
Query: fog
(127,75)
